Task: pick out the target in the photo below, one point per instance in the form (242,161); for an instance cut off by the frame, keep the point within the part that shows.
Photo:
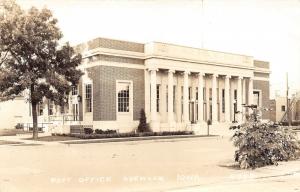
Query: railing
(29,126)
(63,118)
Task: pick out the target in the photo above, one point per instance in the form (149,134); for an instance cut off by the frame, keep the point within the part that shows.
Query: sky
(268,30)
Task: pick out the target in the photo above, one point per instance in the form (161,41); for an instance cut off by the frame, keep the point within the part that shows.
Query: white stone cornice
(261,70)
(113,52)
(260,79)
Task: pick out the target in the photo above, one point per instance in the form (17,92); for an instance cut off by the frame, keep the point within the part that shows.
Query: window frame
(122,116)
(157,97)
(51,107)
(123,98)
(88,98)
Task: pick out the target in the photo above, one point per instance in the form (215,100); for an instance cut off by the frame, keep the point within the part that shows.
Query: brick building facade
(179,87)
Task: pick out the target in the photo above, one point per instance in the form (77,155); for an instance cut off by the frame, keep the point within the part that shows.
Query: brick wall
(104,90)
(110,44)
(264,86)
(262,64)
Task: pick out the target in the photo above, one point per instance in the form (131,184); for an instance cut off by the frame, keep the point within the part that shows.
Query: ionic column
(239,98)
(186,97)
(244,98)
(153,112)
(227,98)
(250,91)
(170,97)
(200,97)
(207,95)
(214,98)
(232,98)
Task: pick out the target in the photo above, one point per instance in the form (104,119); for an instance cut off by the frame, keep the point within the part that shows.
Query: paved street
(192,164)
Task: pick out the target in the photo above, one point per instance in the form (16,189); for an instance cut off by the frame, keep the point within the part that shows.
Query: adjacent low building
(279,109)
(179,87)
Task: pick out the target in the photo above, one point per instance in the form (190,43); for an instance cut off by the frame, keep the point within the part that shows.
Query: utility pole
(287,100)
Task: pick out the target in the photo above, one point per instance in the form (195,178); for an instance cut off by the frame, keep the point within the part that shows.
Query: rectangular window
(235,94)
(196,93)
(123,97)
(223,100)
(190,92)
(40,109)
(74,90)
(157,98)
(204,94)
(50,107)
(88,97)
(62,109)
(210,94)
(256,98)
(282,107)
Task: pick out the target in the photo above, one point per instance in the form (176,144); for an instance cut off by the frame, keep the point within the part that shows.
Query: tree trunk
(34,113)
(34,120)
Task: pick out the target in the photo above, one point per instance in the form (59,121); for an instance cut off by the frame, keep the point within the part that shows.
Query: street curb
(125,139)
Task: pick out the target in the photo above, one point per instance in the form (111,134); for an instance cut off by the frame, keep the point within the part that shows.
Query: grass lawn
(11,132)
(56,138)
(9,142)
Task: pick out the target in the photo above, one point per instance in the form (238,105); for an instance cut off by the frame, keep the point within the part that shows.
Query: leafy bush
(143,126)
(260,144)
(130,134)
(108,131)
(19,126)
(88,131)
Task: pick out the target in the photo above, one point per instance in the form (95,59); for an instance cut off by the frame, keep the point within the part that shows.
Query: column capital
(215,75)
(171,71)
(240,77)
(152,69)
(187,72)
(228,76)
(201,74)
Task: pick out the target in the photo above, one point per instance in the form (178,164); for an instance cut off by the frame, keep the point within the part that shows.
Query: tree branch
(4,59)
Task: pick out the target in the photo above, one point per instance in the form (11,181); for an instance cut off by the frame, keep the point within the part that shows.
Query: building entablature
(195,55)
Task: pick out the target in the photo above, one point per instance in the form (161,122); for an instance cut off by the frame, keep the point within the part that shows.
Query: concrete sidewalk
(25,139)
(284,177)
